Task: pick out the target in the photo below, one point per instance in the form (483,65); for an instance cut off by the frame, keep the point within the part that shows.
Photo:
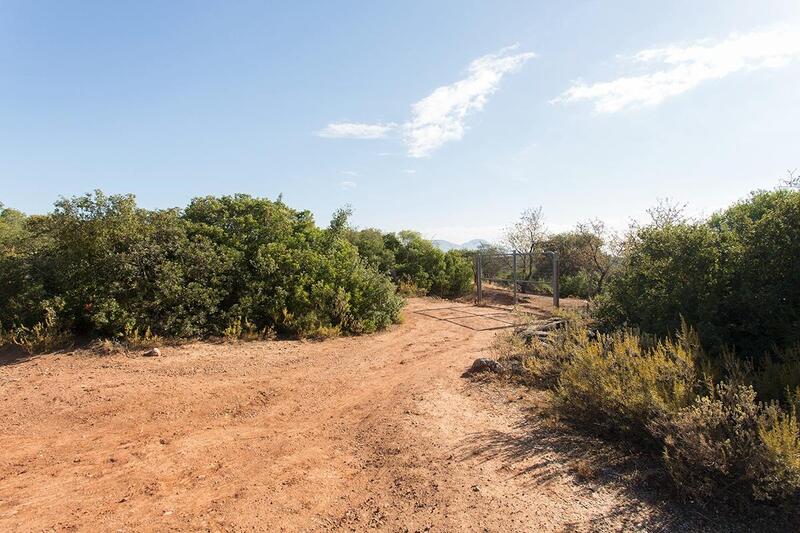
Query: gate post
(556,287)
(479,277)
(514,270)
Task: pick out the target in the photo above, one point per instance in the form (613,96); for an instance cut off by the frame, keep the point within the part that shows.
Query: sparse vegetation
(719,402)
(717,441)
(622,382)
(727,446)
(587,256)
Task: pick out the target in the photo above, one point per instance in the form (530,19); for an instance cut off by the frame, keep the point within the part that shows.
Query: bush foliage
(723,412)
(620,382)
(735,277)
(728,447)
(717,441)
(415,263)
(101,266)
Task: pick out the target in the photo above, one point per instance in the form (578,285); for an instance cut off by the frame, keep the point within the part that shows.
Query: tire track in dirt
(377,431)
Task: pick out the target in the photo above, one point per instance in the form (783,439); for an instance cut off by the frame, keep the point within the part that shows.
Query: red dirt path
(376,431)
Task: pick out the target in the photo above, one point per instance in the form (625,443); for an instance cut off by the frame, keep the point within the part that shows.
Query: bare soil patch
(353,433)
(496,295)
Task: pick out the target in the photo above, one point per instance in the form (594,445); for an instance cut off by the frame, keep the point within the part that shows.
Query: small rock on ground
(485,365)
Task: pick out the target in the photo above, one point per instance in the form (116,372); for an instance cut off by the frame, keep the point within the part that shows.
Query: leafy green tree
(735,277)
(667,273)
(759,257)
(375,248)
(12,230)
(105,267)
(408,257)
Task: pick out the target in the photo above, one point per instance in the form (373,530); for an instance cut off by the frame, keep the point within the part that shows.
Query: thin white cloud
(410,171)
(347,185)
(441,116)
(681,67)
(354,130)
(351,173)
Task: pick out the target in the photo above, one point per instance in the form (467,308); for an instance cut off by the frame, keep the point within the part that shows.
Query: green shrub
(415,264)
(717,441)
(779,476)
(761,303)
(577,285)
(240,329)
(584,256)
(777,375)
(407,287)
(728,447)
(43,336)
(620,382)
(667,273)
(115,268)
(735,277)
(458,276)
(375,248)
(541,361)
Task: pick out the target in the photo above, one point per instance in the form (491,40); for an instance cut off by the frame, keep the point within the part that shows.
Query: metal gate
(520,272)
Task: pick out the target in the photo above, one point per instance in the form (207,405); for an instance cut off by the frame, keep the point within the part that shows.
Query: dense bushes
(718,442)
(723,413)
(735,277)
(727,446)
(668,273)
(577,285)
(618,381)
(586,258)
(415,263)
(100,266)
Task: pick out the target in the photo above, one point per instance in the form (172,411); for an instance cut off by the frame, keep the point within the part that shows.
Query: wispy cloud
(351,173)
(347,185)
(678,68)
(355,130)
(441,116)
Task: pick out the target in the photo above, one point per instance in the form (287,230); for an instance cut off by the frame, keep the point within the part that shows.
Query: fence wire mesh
(519,273)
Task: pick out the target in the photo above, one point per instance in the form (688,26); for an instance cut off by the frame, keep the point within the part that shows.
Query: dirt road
(378,432)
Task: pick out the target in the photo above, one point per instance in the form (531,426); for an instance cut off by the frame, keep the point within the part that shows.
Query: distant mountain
(474,244)
(445,246)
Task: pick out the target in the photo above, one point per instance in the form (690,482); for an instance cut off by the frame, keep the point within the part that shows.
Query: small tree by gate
(519,271)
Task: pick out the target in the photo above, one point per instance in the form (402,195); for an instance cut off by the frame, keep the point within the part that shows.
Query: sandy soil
(377,432)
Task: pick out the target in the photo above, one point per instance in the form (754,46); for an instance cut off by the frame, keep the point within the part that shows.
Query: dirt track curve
(378,432)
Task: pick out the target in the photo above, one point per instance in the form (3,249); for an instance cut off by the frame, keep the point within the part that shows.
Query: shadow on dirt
(540,450)
(495,295)
(12,355)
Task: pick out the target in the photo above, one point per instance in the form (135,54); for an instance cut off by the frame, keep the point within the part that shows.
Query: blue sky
(472,111)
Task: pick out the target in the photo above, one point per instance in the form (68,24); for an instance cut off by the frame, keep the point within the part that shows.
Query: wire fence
(526,273)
